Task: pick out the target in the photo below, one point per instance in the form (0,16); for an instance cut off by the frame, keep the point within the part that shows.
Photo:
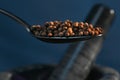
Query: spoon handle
(16,18)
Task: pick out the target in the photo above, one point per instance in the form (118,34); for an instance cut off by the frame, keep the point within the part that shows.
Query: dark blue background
(19,48)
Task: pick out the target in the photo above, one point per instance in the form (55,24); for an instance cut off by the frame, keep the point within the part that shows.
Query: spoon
(47,39)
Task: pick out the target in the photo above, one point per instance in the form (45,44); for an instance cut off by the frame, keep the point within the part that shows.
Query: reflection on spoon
(66,39)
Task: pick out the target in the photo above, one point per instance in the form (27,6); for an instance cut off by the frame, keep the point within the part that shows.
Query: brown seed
(72,34)
(65,27)
(93,29)
(55,31)
(65,22)
(101,31)
(36,33)
(60,33)
(68,24)
(55,35)
(81,23)
(100,28)
(37,27)
(89,30)
(67,34)
(70,30)
(50,27)
(86,33)
(81,33)
(34,26)
(56,22)
(54,27)
(75,29)
(68,21)
(82,26)
(92,33)
(51,23)
(96,33)
(60,29)
(76,24)
(49,31)
(64,31)
(50,34)
(97,28)
(46,24)
(43,34)
(90,26)
(79,30)
(86,24)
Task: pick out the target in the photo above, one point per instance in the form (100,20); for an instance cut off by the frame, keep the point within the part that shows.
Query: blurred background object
(18,48)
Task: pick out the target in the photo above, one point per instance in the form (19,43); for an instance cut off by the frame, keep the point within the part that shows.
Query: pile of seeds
(65,29)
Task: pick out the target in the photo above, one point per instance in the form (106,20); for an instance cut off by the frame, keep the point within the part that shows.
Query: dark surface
(18,48)
(33,72)
(42,72)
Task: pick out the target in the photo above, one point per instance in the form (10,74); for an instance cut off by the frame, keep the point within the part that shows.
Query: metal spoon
(46,39)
